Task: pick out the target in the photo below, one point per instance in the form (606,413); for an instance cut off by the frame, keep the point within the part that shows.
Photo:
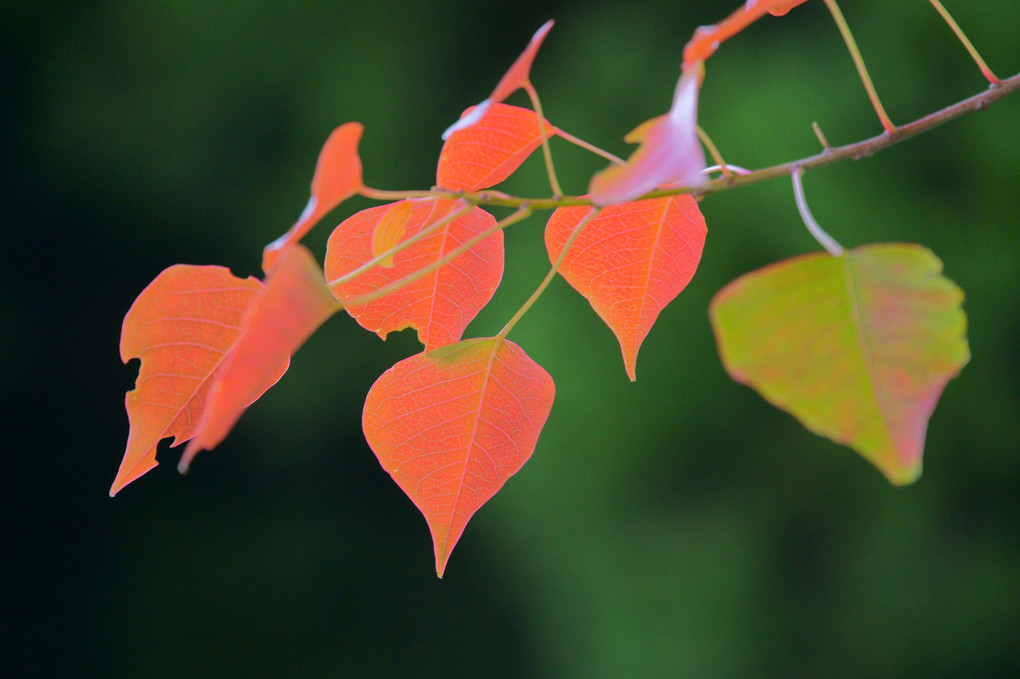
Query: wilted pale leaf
(669,152)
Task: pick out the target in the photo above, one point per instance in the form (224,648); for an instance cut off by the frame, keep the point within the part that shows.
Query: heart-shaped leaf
(485,154)
(515,78)
(452,425)
(630,261)
(857,347)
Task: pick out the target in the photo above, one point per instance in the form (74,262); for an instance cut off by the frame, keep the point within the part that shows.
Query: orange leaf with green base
(452,425)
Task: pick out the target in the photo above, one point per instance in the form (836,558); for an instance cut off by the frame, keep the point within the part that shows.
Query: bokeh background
(678,526)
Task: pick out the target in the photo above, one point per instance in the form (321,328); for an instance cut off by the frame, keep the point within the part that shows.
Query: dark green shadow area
(678,526)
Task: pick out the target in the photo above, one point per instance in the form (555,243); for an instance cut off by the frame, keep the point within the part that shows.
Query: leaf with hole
(438,305)
(181,326)
(293,304)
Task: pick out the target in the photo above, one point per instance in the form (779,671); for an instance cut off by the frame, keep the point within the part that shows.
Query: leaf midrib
(863,344)
(497,342)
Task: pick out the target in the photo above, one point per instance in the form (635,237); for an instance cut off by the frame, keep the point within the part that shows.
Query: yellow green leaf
(857,347)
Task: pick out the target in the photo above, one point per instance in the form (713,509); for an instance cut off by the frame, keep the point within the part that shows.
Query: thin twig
(862,70)
(824,239)
(381,194)
(591,214)
(566,136)
(835,154)
(732,168)
(713,151)
(546,151)
(947,17)
(821,137)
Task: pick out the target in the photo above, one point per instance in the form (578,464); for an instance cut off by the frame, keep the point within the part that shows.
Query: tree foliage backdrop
(675,526)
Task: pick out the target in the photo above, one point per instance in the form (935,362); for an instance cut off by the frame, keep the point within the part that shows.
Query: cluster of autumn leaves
(831,339)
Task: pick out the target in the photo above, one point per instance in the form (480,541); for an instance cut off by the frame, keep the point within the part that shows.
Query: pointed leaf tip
(858,347)
(452,425)
(181,326)
(337,178)
(773,7)
(516,77)
(630,261)
(520,72)
(779,8)
(707,39)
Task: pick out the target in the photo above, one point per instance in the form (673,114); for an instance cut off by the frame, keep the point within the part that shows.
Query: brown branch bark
(857,150)
(867,147)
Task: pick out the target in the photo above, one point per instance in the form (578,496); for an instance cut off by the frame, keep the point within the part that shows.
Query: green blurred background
(678,526)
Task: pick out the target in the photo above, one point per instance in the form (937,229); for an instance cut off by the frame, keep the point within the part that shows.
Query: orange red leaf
(452,425)
(337,178)
(485,154)
(780,7)
(515,78)
(181,327)
(630,261)
(439,305)
(707,39)
(670,152)
(293,304)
